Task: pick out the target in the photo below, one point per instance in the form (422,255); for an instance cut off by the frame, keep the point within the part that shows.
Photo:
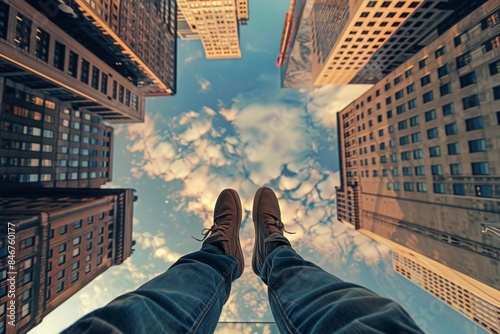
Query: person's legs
(189,296)
(306,299)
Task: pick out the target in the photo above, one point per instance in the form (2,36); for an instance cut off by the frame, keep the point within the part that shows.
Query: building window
(416,137)
(394,157)
(73,64)
(62,248)
(410,88)
(76,241)
(421,187)
(448,109)
(437,169)
(435,151)
(474,123)
(453,149)
(458,189)
(496,93)
(400,109)
(468,79)
(430,115)
(60,287)
(28,242)
(104,83)
(414,121)
(404,140)
(60,274)
(27,277)
(420,171)
(445,89)
(408,186)
(388,100)
(42,44)
(425,80)
(439,188)
(442,71)
(398,79)
(77,224)
(484,190)
(25,310)
(26,296)
(23,32)
(463,60)
(62,259)
(87,268)
(407,171)
(470,101)
(456,169)
(95,77)
(412,104)
(494,67)
(491,44)
(478,145)
(418,154)
(84,74)
(99,260)
(423,63)
(59,55)
(432,133)
(387,86)
(399,94)
(428,97)
(76,252)
(74,277)
(4,19)
(402,125)
(480,168)
(405,156)
(439,52)
(451,129)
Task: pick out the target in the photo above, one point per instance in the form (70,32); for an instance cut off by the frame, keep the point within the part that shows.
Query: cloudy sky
(231,125)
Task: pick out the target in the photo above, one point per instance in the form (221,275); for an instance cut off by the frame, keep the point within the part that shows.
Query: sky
(230,125)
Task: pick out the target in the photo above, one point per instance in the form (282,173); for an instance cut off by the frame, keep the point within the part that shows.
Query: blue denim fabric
(189,297)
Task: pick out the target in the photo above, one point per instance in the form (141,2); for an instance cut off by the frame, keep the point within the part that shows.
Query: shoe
(268,227)
(225,232)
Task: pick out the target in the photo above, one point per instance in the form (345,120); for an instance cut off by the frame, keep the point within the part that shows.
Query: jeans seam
(286,320)
(211,302)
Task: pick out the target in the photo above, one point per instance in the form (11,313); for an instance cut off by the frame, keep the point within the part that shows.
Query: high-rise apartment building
(64,239)
(217,25)
(350,41)
(419,151)
(47,143)
(102,56)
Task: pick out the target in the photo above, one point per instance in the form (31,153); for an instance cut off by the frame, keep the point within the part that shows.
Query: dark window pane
(59,55)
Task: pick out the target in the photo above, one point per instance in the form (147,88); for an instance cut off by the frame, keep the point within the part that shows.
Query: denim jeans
(189,296)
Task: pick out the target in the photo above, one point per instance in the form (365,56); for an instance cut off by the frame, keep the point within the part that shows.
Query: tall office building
(419,151)
(102,56)
(217,25)
(362,41)
(184,30)
(47,143)
(64,239)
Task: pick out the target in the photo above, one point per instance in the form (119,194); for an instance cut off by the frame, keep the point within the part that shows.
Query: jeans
(189,296)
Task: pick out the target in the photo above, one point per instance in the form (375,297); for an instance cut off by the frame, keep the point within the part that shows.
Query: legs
(306,299)
(187,298)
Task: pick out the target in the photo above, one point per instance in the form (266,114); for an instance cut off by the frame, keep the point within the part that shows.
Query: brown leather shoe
(225,232)
(268,227)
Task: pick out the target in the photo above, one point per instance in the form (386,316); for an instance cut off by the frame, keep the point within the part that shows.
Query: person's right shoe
(268,227)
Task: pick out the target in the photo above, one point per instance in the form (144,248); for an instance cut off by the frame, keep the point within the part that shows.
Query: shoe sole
(236,198)
(256,200)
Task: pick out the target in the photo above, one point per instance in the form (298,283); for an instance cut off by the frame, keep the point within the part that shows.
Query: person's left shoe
(225,232)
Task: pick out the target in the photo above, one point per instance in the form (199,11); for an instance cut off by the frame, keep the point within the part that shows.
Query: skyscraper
(47,143)
(347,41)
(64,239)
(103,57)
(217,24)
(418,151)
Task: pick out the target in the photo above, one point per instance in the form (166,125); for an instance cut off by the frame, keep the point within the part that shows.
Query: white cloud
(205,85)
(195,56)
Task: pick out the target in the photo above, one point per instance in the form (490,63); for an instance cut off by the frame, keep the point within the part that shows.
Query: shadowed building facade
(64,239)
(105,58)
(419,152)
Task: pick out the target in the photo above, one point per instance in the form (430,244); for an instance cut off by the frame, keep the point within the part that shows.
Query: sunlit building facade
(419,151)
(64,239)
(217,25)
(78,53)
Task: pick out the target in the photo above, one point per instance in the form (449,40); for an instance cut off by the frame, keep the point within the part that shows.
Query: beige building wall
(217,25)
(471,298)
(360,30)
(420,150)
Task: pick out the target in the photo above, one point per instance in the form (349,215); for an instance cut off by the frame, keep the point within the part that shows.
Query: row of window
(478,168)
(482,190)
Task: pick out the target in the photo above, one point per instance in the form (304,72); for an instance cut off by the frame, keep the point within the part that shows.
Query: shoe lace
(274,225)
(221,223)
